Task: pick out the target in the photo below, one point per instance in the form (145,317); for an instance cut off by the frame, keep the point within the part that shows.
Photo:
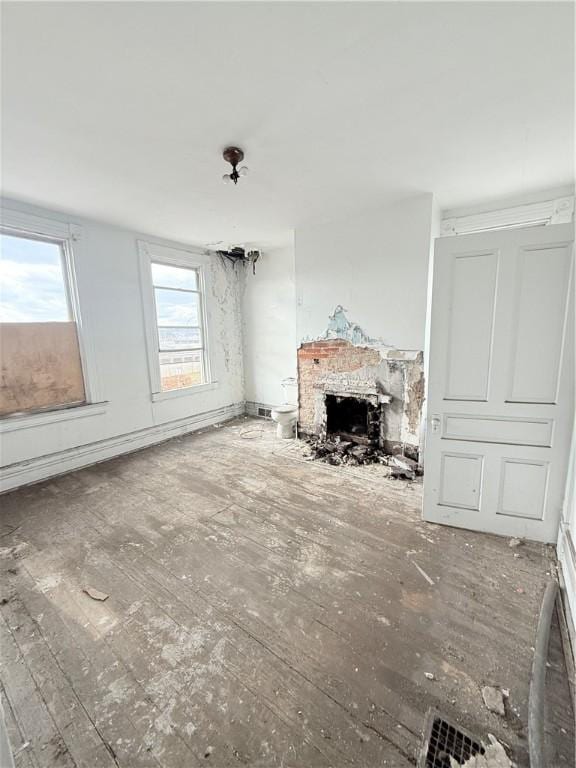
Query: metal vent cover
(443,740)
(266,412)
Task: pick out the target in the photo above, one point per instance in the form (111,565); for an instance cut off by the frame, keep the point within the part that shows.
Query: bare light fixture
(233,155)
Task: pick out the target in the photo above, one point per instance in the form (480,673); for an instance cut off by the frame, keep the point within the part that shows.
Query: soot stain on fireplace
(355,419)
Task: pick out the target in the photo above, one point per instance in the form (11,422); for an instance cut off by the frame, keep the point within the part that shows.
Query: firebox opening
(346,416)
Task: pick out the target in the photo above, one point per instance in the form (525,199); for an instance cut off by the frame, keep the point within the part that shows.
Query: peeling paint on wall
(226,326)
(339,327)
(415,395)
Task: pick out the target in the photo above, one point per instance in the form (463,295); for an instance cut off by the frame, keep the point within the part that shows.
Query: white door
(501,381)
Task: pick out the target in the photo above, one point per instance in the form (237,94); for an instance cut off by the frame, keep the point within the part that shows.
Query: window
(174,293)
(178,304)
(32,281)
(176,308)
(41,360)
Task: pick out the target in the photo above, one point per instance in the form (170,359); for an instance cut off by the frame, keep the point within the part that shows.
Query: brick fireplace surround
(383,375)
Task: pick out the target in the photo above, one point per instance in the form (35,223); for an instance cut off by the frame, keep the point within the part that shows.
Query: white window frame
(69,236)
(187,258)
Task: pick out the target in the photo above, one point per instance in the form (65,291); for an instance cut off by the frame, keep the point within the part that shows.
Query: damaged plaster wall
(107,273)
(269,326)
(374,264)
(364,280)
(225,285)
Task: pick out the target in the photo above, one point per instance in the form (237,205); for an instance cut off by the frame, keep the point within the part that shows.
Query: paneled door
(501,381)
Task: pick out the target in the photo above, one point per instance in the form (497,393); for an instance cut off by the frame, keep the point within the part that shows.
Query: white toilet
(286,415)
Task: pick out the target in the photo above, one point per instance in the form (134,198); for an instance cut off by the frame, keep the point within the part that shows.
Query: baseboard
(256,409)
(34,470)
(567,631)
(566,617)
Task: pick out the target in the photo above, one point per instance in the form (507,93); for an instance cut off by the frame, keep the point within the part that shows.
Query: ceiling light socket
(234,155)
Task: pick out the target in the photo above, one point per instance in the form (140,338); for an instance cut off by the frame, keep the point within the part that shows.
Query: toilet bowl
(285,416)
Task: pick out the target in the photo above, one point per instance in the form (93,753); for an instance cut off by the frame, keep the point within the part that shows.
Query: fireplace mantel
(375,396)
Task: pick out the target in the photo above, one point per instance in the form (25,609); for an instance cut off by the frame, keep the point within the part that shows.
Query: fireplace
(367,396)
(353,418)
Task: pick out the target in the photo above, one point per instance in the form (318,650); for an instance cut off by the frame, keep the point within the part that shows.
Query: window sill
(172,393)
(40,419)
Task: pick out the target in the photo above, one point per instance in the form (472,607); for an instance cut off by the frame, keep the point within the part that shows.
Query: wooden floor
(262,611)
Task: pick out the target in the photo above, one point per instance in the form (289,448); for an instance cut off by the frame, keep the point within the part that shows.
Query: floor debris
(429,675)
(494,699)
(22,748)
(403,466)
(494,757)
(339,451)
(423,573)
(514,542)
(95,594)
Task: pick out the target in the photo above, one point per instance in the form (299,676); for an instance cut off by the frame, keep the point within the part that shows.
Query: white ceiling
(120,111)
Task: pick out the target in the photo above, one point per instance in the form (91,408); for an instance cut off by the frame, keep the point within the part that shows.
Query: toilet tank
(290,388)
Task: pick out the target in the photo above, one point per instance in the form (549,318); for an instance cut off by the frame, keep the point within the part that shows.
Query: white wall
(375,264)
(107,267)
(567,534)
(269,321)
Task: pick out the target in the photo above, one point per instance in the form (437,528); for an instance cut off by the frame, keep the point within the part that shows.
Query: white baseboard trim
(22,473)
(567,576)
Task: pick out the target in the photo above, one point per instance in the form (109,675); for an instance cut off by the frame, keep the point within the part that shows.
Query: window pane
(32,284)
(174,308)
(179,338)
(174,277)
(180,369)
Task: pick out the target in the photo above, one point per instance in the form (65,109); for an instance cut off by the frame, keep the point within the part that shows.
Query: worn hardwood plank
(263,610)
(29,707)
